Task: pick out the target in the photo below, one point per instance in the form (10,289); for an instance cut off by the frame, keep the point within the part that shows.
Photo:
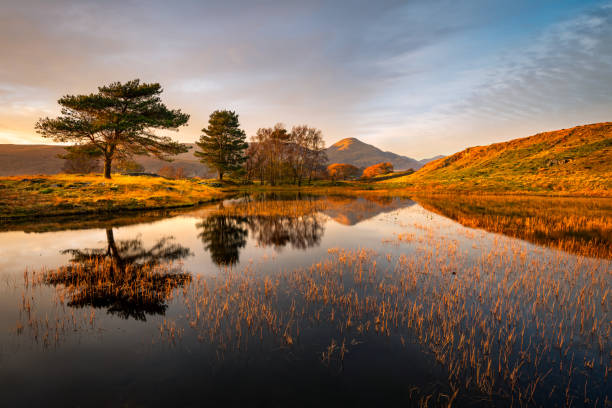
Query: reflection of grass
(510,327)
(88,221)
(78,194)
(582,226)
(274,208)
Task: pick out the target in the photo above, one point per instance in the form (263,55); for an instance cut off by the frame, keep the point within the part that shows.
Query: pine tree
(223,144)
(118,122)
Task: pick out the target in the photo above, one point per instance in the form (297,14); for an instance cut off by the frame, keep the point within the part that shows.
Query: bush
(377,170)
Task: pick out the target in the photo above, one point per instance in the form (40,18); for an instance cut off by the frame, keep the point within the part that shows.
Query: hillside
(42,159)
(355,152)
(567,161)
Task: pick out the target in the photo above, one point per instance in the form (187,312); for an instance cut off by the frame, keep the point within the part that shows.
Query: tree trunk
(107,167)
(220,176)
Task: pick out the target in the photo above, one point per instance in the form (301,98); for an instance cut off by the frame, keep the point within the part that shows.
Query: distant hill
(425,161)
(42,159)
(355,152)
(573,161)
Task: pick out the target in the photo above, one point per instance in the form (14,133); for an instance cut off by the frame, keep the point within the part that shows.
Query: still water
(310,301)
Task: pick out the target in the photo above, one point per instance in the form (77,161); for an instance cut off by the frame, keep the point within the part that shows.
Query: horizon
(474,75)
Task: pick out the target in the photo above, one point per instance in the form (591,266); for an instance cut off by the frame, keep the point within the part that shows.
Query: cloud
(560,78)
(419,77)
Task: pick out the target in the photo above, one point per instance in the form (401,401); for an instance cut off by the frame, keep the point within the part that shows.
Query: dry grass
(576,161)
(511,326)
(579,225)
(78,194)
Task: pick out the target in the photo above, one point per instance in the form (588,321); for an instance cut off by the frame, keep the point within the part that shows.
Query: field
(62,194)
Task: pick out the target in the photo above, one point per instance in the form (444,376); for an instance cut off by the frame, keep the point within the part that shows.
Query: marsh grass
(578,225)
(510,326)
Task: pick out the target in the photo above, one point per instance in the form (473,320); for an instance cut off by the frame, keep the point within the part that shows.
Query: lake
(295,300)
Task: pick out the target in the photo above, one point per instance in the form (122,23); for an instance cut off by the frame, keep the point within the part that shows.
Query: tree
(129,166)
(81,159)
(306,152)
(172,172)
(223,143)
(119,121)
(278,156)
(342,171)
(377,170)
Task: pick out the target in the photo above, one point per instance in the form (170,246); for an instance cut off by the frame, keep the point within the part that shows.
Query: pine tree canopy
(223,144)
(120,121)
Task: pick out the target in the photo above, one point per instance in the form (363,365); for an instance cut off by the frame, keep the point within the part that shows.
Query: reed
(509,325)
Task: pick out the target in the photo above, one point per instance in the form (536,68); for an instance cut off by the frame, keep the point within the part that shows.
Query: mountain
(576,161)
(42,159)
(355,152)
(425,161)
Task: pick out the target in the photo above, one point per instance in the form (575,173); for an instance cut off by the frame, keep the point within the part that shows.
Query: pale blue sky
(415,77)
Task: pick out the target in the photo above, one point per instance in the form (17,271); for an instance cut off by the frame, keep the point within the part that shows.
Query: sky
(418,78)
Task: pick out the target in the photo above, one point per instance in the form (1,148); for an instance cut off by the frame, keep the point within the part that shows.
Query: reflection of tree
(301,232)
(124,277)
(223,236)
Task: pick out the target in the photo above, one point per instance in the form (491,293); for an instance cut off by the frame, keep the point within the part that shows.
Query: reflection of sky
(37,250)
(129,353)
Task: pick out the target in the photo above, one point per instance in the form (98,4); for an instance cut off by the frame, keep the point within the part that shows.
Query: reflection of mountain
(352,210)
(577,225)
(281,221)
(123,277)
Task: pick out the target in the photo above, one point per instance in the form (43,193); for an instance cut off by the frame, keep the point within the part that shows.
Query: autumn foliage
(377,170)
(337,171)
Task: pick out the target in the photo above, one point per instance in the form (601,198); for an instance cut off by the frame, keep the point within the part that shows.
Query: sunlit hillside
(576,160)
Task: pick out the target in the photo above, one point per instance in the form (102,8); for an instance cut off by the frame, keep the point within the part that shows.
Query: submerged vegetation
(507,325)
(578,225)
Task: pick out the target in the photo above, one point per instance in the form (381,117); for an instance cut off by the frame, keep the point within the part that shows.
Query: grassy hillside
(575,161)
(75,194)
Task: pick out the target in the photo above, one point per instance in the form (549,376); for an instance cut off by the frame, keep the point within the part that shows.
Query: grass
(578,225)
(62,194)
(576,161)
(517,327)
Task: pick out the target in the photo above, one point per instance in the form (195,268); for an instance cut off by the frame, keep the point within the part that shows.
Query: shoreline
(39,197)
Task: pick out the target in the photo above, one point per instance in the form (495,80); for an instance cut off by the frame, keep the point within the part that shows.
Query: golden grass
(576,161)
(76,194)
(515,326)
(579,225)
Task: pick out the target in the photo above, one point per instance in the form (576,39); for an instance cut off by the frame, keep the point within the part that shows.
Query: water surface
(276,301)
